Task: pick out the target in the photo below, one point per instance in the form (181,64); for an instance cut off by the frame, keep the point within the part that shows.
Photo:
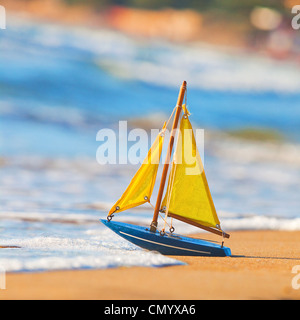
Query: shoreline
(167,23)
(181,25)
(260,268)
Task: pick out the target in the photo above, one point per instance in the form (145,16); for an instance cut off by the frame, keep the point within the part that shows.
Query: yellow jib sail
(141,186)
(188,194)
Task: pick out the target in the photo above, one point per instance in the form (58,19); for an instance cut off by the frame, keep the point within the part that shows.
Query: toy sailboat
(187,197)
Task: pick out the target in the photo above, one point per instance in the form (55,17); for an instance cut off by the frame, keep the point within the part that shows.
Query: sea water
(59,85)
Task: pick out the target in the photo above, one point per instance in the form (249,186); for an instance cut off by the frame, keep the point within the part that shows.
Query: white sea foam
(244,151)
(95,249)
(262,223)
(259,75)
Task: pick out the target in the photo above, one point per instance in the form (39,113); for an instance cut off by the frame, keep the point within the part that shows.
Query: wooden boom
(196,224)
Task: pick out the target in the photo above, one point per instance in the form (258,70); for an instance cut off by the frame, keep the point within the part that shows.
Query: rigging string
(223,237)
(172,172)
(169,190)
(171,116)
(170,226)
(162,132)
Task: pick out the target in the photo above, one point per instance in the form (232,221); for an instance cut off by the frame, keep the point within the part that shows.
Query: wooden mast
(168,156)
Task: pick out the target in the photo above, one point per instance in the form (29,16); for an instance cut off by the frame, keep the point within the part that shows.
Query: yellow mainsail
(188,194)
(141,186)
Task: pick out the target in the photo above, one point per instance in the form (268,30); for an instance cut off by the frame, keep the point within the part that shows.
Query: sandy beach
(260,268)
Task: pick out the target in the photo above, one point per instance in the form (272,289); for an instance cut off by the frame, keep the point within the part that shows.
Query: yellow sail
(188,194)
(141,186)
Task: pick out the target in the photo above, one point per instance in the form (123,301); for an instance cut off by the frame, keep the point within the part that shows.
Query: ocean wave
(231,221)
(267,172)
(52,217)
(222,145)
(57,115)
(202,65)
(262,223)
(245,77)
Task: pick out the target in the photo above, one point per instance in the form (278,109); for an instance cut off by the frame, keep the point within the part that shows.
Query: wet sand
(260,268)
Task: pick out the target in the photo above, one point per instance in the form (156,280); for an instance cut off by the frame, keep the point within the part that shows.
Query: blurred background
(71,67)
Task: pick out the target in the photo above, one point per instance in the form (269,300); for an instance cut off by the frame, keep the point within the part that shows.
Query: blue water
(56,88)
(60,85)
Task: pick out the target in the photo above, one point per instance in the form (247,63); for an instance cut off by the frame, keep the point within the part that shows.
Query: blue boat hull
(168,244)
